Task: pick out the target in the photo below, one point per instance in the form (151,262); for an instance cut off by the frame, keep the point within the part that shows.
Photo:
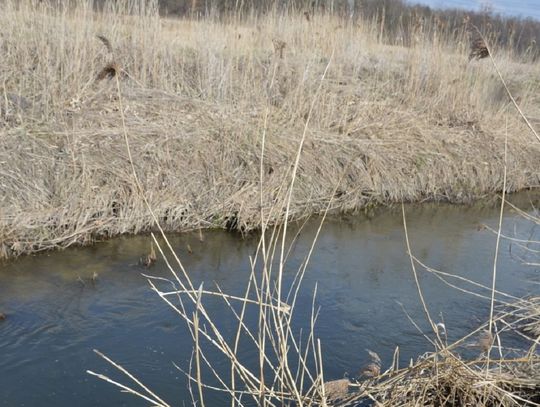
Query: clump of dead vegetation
(524,317)
(532,317)
(508,377)
(452,381)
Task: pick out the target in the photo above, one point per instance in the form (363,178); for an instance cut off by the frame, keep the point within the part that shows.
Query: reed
(286,373)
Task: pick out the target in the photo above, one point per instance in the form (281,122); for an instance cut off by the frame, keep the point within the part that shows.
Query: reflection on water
(57,314)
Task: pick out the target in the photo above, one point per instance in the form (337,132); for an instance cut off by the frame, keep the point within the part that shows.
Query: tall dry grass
(290,370)
(390,122)
(211,124)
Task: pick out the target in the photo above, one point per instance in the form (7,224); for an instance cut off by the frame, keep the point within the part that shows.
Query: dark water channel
(56,315)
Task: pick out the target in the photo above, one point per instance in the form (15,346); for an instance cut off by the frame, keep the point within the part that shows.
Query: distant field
(214,110)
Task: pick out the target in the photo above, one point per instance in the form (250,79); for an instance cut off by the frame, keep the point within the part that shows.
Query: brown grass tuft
(445,378)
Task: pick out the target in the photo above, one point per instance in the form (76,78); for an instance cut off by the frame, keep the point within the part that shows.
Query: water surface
(57,314)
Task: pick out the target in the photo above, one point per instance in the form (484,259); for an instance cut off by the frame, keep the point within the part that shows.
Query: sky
(520,8)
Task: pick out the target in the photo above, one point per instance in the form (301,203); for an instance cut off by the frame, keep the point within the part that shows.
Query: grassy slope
(388,122)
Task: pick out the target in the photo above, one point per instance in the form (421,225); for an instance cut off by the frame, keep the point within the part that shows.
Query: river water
(517,8)
(56,314)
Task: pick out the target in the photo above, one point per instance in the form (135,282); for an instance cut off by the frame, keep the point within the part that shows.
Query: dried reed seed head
(279,46)
(374,357)
(146,261)
(109,71)
(149,259)
(371,370)
(337,389)
(485,340)
(152,254)
(112,69)
(105,41)
(479,49)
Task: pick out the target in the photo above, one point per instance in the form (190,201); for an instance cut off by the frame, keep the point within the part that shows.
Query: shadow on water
(57,311)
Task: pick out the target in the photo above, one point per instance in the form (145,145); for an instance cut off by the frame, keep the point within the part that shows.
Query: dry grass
(525,317)
(337,390)
(533,317)
(390,122)
(451,381)
(445,377)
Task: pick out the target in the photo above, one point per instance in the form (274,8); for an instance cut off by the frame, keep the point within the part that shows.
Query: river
(56,313)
